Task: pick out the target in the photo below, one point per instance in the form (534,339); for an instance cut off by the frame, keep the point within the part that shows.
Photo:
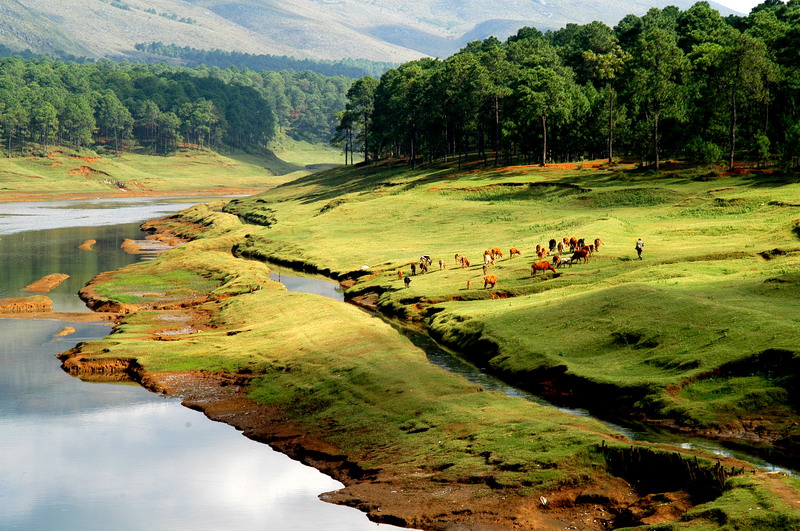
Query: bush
(761,145)
(790,155)
(704,151)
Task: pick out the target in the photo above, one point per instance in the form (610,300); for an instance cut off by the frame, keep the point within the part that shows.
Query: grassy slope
(67,171)
(353,381)
(673,334)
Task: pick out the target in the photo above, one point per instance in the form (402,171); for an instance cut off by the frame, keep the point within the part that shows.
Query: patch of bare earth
(27,305)
(47,283)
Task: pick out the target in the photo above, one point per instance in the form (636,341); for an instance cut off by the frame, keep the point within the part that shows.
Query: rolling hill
(381,30)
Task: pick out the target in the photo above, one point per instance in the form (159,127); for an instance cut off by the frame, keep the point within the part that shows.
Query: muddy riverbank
(389,490)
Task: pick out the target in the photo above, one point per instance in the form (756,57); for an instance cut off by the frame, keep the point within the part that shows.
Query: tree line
(47,102)
(670,83)
(352,68)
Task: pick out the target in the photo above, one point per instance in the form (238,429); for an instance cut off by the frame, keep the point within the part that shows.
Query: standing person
(639,247)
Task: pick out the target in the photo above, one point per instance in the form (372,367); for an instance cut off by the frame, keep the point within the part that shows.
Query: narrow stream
(447,359)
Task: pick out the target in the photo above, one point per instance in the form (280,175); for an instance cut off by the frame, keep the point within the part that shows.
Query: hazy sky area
(743,6)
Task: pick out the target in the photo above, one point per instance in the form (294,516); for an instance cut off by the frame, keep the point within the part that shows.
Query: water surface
(77,455)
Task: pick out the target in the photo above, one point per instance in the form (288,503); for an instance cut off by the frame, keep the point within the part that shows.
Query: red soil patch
(150,247)
(35,304)
(88,160)
(86,171)
(45,284)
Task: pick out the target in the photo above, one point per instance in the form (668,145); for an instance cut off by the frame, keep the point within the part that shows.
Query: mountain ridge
(378,30)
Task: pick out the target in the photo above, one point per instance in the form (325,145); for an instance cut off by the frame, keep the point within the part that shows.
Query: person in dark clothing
(639,247)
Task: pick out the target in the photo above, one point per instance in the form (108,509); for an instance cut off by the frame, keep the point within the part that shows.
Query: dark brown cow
(543,266)
(489,281)
(581,254)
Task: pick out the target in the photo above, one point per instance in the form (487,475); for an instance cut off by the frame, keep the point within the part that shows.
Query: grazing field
(64,171)
(697,334)
(700,333)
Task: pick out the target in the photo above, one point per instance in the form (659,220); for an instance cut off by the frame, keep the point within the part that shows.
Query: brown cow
(597,243)
(581,254)
(573,243)
(556,260)
(489,281)
(560,247)
(496,252)
(400,275)
(413,269)
(485,269)
(442,265)
(513,251)
(543,266)
(465,261)
(457,258)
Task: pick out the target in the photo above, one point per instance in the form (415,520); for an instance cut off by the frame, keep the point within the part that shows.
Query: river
(443,357)
(77,455)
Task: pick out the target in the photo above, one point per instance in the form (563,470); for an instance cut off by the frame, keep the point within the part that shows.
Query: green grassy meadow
(66,171)
(700,333)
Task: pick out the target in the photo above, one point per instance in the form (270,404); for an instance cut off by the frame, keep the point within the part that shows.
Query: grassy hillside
(65,171)
(701,332)
(425,444)
(378,30)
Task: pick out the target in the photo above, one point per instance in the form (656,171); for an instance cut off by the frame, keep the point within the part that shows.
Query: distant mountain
(380,30)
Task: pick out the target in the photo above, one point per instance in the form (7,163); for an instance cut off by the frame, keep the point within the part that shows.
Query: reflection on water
(29,256)
(39,215)
(76,455)
(301,283)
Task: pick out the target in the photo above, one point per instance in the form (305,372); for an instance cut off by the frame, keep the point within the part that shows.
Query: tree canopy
(670,83)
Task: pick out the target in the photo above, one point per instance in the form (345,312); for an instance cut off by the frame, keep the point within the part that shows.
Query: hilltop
(379,30)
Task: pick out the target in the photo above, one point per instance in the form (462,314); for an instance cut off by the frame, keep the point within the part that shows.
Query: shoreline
(386,496)
(28,197)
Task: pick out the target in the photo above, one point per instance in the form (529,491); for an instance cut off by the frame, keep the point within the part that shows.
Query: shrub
(704,151)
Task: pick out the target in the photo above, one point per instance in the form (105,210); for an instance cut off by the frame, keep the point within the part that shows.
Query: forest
(670,83)
(159,107)
(191,57)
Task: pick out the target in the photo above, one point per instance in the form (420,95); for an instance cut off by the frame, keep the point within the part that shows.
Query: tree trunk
(733,126)
(544,140)
(366,137)
(655,141)
(496,131)
(611,126)
(413,145)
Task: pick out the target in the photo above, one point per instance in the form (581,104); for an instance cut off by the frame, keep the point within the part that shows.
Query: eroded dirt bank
(393,495)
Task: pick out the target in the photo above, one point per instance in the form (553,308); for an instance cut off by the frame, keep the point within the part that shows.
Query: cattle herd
(578,249)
